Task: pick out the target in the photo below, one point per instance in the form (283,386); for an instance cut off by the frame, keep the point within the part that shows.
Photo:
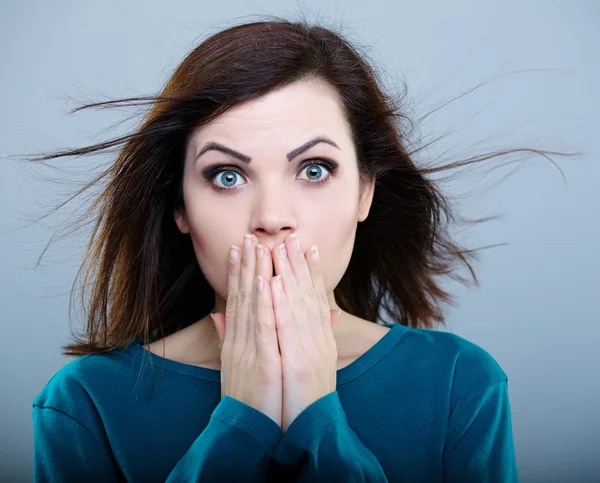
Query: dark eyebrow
(247,159)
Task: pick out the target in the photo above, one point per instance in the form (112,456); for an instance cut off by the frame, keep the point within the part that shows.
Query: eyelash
(212,172)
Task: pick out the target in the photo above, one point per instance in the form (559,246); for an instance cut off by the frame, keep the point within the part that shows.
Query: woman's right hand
(250,360)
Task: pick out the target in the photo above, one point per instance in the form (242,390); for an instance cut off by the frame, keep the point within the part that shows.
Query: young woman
(251,233)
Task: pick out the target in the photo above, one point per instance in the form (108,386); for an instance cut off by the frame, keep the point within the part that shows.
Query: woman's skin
(272,196)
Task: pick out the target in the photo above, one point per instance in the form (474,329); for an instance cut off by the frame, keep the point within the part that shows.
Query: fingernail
(282,249)
(278,284)
(315,253)
(295,241)
(233,253)
(212,316)
(259,252)
(247,241)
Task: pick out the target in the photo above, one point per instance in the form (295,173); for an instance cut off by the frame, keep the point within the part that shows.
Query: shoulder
(74,387)
(454,370)
(463,362)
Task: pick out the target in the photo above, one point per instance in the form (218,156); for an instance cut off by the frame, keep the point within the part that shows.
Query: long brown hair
(145,280)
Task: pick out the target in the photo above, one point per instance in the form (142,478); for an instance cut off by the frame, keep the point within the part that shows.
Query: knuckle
(248,361)
(271,370)
(231,302)
(298,372)
(243,296)
(268,373)
(302,376)
(264,325)
(306,299)
(253,311)
(237,355)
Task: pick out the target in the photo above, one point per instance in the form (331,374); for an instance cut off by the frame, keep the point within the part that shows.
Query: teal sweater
(419,406)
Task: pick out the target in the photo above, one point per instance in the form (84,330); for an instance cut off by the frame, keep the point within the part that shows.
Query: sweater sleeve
(479,446)
(236,445)
(65,450)
(320,446)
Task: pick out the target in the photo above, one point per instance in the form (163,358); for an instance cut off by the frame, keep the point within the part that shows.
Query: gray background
(536,310)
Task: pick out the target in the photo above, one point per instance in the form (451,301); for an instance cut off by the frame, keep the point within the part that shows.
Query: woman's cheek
(336,265)
(213,264)
(216,271)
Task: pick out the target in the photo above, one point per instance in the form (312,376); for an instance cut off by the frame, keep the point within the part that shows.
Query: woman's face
(274,186)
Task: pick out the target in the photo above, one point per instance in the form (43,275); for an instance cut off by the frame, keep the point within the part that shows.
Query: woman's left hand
(304,324)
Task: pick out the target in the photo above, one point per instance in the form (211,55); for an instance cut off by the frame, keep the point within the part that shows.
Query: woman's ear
(181,221)
(366,198)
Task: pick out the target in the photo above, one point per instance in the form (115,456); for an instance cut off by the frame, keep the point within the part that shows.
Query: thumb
(334,317)
(219,321)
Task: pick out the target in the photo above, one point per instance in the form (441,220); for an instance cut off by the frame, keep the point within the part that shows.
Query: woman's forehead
(291,114)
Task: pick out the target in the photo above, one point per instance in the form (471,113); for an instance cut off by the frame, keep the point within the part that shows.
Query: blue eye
(226,175)
(314,170)
(227,178)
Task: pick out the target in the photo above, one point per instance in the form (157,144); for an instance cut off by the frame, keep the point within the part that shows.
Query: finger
(304,302)
(251,345)
(233,283)
(335,317)
(301,295)
(291,301)
(219,322)
(316,271)
(265,331)
(283,267)
(287,333)
(246,289)
(298,263)
(264,262)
